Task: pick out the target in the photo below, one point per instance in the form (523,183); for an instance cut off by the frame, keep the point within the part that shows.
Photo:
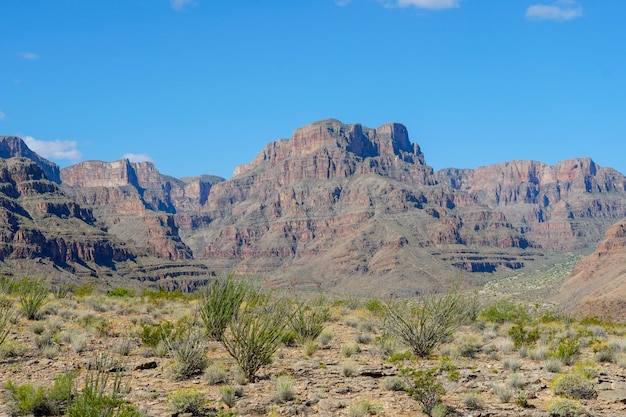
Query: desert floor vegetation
(236,349)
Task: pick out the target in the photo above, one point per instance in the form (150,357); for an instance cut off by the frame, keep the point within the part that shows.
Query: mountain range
(338,207)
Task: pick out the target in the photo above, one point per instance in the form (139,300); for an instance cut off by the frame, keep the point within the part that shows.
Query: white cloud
(423,4)
(342,3)
(28,55)
(54,149)
(2,115)
(560,11)
(137,157)
(181,4)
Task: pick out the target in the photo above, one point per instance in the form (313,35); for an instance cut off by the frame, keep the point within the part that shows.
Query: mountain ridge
(360,201)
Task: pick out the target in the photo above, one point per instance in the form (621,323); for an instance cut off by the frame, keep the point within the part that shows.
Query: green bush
(567,350)
(7,315)
(100,395)
(308,323)
(152,334)
(30,399)
(523,337)
(120,292)
(424,388)
(229,394)
(39,401)
(188,349)
(565,407)
(219,304)
(505,311)
(257,333)
(428,323)
(574,385)
(33,295)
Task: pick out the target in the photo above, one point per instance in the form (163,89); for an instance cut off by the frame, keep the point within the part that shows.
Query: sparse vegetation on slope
(159,359)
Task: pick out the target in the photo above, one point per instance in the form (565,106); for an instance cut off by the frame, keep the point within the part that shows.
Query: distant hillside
(597,285)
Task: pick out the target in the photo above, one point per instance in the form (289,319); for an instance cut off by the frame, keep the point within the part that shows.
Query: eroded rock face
(361,202)
(38,221)
(136,203)
(560,207)
(344,207)
(597,285)
(14,147)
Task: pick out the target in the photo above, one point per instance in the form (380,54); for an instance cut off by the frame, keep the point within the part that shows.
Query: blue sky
(200,86)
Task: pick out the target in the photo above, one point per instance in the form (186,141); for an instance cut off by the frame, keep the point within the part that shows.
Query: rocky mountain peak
(343,146)
(12,146)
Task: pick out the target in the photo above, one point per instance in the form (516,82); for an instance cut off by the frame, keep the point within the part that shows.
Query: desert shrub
(283,388)
(428,323)
(620,359)
(385,345)
(325,337)
(522,337)
(125,346)
(51,351)
(39,401)
(469,345)
(229,394)
(349,351)
(219,304)
(503,392)
(120,292)
(32,295)
(565,407)
(310,347)
(152,334)
(187,348)
(393,383)
(256,334)
(540,352)
(553,365)
(573,385)
(521,398)
(473,401)
(422,386)
(30,399)
(505,311)
(78,342)
(83,290)
(566,350)
(186,400)
(587,369)
(516,381)
(216,373)
(511,363)
(12,349)
(308,323)
(362,408)
(348,368)
(364,338)
(439,410)
(447,367)
(6,319)
(102,391)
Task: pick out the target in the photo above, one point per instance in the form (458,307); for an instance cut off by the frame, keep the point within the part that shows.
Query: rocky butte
(361,202)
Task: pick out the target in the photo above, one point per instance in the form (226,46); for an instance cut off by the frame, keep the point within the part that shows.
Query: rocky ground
(345,373)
